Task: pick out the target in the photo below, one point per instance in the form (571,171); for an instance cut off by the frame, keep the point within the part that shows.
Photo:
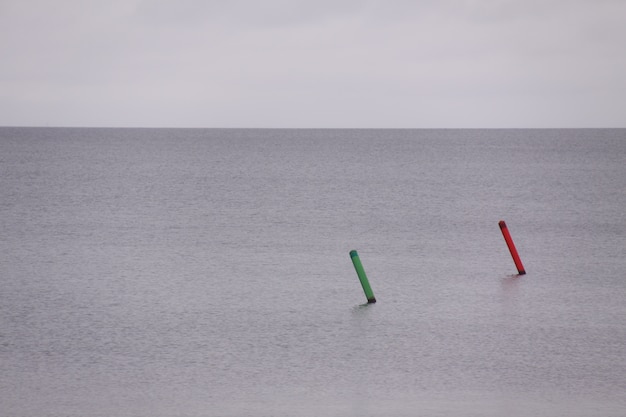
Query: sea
(207,272)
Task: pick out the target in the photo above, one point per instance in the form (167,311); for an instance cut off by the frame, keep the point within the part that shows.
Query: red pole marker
(511,245)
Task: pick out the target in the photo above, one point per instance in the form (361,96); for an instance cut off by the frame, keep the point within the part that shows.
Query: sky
(313,63)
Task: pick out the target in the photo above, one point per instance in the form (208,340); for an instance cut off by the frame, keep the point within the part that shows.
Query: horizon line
(301,128)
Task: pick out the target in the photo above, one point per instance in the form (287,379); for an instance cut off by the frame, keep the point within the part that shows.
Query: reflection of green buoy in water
(362,277)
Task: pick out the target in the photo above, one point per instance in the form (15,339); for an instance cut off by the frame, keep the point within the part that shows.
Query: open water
(206,272)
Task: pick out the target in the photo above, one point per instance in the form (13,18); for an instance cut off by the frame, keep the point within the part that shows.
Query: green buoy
(369,294)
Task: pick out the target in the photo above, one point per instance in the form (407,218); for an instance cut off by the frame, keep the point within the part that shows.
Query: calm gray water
(207,273)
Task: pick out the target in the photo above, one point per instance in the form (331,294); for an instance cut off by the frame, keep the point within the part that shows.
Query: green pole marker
(362,277)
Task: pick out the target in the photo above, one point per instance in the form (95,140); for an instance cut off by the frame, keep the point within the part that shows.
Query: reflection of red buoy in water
(511,245)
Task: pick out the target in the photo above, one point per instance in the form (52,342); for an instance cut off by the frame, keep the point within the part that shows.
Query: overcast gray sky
(313,63)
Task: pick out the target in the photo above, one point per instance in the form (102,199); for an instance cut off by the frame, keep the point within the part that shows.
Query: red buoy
(511,245)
